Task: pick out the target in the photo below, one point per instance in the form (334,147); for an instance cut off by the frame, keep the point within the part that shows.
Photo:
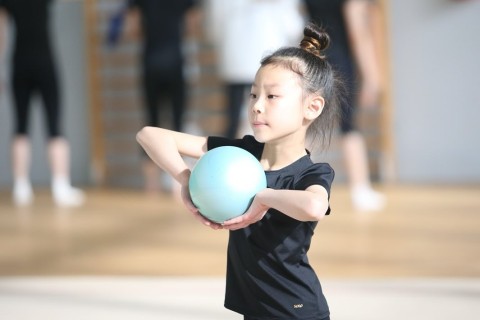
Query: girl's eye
(253,96)
(271,96)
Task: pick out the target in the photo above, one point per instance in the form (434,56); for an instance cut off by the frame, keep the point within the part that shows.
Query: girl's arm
(166,148)
(308,205)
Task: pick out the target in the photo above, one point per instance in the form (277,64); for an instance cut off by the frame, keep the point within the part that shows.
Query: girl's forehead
(274,68)
(276,75)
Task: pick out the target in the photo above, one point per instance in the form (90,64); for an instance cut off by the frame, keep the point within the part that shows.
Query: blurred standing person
(243,31)
(34,71)
(352,53)
(162,25)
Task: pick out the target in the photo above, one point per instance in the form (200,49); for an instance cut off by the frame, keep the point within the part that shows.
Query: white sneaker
(22,193)
(68,197)
(367,199)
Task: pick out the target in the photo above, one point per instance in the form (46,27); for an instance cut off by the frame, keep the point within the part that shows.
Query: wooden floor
(424,232)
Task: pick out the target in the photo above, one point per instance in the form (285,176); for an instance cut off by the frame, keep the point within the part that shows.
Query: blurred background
(126,254)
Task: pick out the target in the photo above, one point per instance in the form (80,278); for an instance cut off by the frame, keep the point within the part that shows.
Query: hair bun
(315,40)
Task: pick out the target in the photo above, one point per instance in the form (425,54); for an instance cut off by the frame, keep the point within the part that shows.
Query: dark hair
(317,77)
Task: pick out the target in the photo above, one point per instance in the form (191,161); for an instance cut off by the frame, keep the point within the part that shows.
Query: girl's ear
(314,107)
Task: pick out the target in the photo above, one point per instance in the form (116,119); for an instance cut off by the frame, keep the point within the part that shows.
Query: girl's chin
(262,138)
(259,137)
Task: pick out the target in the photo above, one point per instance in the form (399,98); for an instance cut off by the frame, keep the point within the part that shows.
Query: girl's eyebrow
(273,85)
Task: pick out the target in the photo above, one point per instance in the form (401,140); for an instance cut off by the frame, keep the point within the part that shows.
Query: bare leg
(22,187)
(363,196)
(59,157)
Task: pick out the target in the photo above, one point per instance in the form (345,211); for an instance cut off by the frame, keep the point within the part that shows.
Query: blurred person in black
(162,26)
(352,53)
(34,71)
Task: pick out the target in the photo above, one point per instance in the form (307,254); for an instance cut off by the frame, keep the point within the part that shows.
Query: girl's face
(276,105)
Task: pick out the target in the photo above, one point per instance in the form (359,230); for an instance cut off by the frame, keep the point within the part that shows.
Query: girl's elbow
(139,135)
(143,134)
(316,209)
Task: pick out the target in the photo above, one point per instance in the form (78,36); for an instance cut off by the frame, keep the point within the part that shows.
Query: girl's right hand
(187,200)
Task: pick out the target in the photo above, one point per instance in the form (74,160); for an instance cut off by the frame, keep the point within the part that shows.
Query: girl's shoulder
(314,173)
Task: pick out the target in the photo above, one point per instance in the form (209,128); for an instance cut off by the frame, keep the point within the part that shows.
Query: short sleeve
(319,173)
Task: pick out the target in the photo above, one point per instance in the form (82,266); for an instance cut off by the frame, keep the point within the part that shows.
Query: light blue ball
(224,182)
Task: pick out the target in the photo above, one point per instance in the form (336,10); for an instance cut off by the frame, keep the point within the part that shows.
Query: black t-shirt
(31,20)
(268,272)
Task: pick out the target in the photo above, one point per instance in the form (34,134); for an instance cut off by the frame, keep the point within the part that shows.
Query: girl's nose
(257,106)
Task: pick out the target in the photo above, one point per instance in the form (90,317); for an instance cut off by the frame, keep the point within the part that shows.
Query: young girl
(268,272)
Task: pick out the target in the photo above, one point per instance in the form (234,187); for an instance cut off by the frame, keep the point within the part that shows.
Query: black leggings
(35,76)
(160,85)
(345,70)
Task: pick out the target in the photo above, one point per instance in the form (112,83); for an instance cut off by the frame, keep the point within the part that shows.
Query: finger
(192,208)
(188,202)
(206,222)
(235,226)
(216,226)
(201,218)
(235,220)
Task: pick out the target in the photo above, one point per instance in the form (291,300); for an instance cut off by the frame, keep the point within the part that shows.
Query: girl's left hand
(255,213)
(185,195)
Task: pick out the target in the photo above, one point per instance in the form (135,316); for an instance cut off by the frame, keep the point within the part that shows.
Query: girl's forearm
(302,205)
(162,149)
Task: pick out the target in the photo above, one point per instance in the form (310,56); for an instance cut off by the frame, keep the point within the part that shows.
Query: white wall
(435,48)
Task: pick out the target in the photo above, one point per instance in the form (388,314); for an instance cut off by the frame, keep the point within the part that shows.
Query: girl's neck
(279,155)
